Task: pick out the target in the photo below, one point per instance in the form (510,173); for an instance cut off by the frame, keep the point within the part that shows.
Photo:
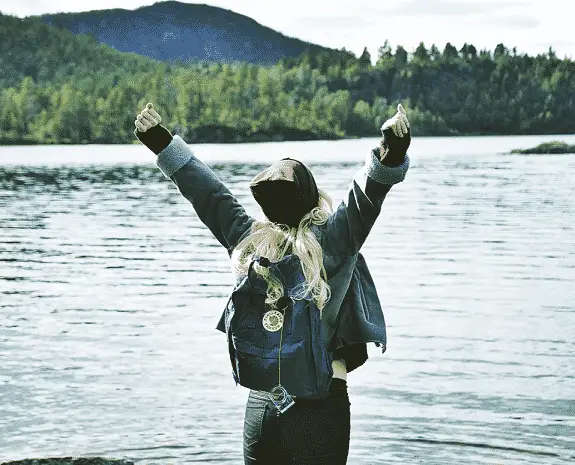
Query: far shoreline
(274,138)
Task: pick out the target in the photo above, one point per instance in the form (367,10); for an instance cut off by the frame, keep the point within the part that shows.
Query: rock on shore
(70,461)
(548,147)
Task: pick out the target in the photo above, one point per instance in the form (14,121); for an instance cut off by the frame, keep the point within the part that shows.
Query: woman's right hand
(398,123)
(148,118)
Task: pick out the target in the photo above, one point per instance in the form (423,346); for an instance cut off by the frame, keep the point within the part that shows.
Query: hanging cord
(280,349)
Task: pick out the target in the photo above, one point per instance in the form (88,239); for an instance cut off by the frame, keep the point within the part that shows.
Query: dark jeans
(311,432)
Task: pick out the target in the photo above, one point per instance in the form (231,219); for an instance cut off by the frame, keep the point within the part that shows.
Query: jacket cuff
(174,156)
(385,174)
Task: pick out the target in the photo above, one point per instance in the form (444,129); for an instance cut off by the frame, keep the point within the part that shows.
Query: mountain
(171,30)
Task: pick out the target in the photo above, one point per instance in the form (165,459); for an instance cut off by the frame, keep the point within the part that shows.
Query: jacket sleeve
(348,227)
(214,204)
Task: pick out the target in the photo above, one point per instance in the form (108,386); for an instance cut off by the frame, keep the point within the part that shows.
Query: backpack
(255,334)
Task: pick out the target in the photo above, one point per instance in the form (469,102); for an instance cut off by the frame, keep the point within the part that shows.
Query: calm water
(111,288)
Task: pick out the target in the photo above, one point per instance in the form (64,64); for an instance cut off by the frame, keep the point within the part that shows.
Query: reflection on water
(111,288)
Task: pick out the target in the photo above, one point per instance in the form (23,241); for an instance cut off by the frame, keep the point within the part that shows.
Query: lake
(111,288)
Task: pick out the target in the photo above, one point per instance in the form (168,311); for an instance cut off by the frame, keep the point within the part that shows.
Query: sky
(530,25)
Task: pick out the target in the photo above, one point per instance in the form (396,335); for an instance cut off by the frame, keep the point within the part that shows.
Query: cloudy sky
(530,25)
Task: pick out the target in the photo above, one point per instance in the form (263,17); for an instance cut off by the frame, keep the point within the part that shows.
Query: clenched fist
(398,123)
(148,118)
(396,138)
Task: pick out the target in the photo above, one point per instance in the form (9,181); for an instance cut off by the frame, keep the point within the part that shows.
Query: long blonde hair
(272,240)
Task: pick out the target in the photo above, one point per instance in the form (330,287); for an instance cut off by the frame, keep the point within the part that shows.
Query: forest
(60,88)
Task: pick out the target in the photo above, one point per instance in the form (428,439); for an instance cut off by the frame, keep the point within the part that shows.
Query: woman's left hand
(398,123)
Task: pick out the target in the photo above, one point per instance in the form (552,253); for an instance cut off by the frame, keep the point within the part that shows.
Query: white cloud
(452,8)
(517,21)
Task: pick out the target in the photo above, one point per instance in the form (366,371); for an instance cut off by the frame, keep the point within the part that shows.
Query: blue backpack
(279,350)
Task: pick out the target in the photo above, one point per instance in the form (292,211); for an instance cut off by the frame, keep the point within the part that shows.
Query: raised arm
(214,204)
(348,227)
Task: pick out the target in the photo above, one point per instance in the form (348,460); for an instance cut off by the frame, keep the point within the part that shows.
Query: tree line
(70,89)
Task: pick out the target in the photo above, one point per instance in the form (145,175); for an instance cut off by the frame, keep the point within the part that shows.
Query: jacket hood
(285,191)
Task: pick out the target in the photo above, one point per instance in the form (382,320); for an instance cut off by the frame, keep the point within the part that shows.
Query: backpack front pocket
(261,368)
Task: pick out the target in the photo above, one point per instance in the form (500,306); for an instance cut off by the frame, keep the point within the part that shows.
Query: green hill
(50,55)
(57,87)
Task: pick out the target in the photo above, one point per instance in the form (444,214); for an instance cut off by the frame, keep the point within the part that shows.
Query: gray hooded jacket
(353,315)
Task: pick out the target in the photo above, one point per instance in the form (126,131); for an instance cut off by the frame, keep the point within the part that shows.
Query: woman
(298,217)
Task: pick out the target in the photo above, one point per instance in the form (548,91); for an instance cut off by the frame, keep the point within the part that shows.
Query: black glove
(149,130)
(156,138)
(396,134)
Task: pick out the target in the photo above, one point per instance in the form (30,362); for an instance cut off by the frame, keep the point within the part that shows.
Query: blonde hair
(271,240)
